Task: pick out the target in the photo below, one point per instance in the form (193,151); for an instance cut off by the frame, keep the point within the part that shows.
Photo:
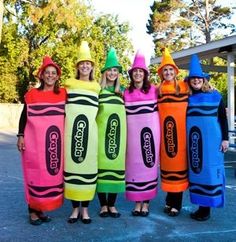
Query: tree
(34,28)
(181,24)
(184,23)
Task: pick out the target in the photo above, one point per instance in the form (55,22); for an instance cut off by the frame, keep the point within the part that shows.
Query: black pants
(76,204)
(204,211)
(108,200)
(174,200)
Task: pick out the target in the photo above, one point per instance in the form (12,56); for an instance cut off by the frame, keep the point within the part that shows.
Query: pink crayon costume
(43,156)
(143,141)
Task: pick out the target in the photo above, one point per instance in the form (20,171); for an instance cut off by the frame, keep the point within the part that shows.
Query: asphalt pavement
(14,225)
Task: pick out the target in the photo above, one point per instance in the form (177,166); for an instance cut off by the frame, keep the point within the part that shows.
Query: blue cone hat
(195,69)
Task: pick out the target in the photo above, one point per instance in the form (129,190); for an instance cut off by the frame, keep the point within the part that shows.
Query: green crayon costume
(111,121)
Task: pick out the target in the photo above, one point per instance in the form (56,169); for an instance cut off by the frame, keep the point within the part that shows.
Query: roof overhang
(219,48)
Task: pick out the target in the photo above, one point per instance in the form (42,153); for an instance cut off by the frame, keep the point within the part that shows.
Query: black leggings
(174,200)
(76,204)
(31,210)
(107,201)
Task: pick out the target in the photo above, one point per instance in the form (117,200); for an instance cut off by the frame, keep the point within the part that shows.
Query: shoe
(45,218)
(173,212)
(104,214)
(73,220)
(86,220)
(114,215)
(37,221)
(144,213)
(167,209)
(136,213)
(199,217)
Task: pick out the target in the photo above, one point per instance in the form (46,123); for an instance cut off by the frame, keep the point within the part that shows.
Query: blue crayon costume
(206,161)
(206,129)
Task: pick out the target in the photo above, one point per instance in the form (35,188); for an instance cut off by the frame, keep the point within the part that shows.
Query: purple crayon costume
(143,142)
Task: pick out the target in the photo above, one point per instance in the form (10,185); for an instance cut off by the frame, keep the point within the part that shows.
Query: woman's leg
(145,208)
(111,205)
(84,212)
(75,212)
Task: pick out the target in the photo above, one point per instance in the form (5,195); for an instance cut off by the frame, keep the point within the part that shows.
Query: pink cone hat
(139,62)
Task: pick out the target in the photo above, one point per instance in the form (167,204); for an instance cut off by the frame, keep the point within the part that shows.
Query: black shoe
(199,216)
(144,213)
(73,220)
(104,214)
(114,215)
(37,221)
(136,213)
(167,209)
(45,218)
(86,220)
(173,212)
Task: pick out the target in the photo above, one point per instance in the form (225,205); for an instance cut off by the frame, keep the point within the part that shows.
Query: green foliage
(33,29)
(180,24)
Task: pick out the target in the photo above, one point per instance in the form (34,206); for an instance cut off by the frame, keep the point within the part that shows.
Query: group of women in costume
(108,139)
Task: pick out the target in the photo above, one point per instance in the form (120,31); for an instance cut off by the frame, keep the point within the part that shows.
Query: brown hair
(56,88)
(146,83)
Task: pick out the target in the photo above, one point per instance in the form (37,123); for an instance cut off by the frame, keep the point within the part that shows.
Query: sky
(136,12)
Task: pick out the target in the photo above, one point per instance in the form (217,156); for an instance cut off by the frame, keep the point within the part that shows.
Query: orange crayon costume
(172,106)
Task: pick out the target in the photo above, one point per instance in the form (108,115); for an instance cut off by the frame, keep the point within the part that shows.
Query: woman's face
(196,83)
(50,76)
(168,73)
(85,68)
(112,74)
(138,75)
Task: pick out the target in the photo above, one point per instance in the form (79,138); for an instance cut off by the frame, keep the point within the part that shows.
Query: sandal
(173,212)
(167,209)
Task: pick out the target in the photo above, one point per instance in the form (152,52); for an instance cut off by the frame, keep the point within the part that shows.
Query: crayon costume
(143,140)
(172,109)
(80,173)
(143,137)
(81,137)
(43,157)
(111,122)
(206,161)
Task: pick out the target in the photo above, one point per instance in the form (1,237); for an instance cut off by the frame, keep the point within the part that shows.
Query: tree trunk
(1,19)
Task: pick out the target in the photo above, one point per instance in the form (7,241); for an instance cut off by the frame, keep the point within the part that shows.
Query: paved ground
(157,226)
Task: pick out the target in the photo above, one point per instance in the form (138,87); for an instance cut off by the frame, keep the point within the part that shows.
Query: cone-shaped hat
(195,69)
(47,61)
(111,61)
(139,62)
(167,60)
(84,53)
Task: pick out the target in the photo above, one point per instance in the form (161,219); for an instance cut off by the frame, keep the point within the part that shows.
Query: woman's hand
(224,146)
(21,143)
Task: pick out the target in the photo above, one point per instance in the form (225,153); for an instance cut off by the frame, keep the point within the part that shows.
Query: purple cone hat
(139,62)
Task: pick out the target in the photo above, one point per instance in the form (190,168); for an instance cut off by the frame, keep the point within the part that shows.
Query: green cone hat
(111,61)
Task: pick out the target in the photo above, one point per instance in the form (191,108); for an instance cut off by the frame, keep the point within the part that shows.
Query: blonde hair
(103,83)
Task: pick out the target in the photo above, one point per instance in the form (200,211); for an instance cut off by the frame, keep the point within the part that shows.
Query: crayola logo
(79,142)
(195,149)
(170,136)
(147,147)
(112,141)
(53,150)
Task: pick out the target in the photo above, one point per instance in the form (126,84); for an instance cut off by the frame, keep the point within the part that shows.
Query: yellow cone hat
(84,53)
(167,60)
